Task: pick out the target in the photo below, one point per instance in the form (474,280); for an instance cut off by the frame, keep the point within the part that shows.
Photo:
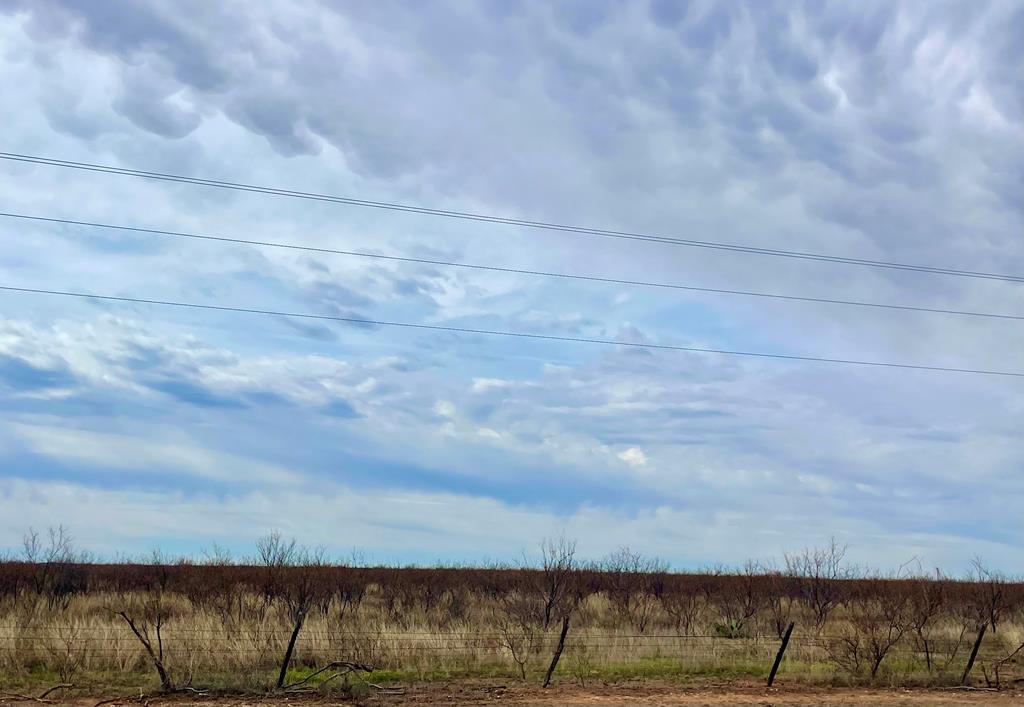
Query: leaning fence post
(558,650)
(782,651)
(974,653)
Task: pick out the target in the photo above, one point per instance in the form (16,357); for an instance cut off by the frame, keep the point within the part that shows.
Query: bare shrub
(926,605)
(878,619)
(539,600)
(683,601)
(68,650)
(563,591)
(996,667)
(778,598)
(558,581)
(287,608)
(990,596)
(820,576)
(519,616)
(581,660)
(349,590)
(55,576)
(292,574)
(634,584)
(737,598)
(147,613)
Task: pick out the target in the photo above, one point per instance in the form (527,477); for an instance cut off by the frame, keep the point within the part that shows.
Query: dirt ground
(693,695)
(647,693)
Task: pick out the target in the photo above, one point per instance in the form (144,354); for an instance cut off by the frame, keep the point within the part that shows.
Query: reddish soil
(460,694)
(648,693)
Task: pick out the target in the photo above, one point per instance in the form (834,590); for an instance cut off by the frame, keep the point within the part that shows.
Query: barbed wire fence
(463,651)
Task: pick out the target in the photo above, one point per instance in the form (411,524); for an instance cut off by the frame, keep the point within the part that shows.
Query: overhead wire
(510,221)
(507,270)
(510,334)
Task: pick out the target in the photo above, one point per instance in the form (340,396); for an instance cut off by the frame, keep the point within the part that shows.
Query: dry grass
(84,640)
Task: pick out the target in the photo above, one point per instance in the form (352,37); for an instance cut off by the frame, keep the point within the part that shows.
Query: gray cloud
(146,104)
(877,130)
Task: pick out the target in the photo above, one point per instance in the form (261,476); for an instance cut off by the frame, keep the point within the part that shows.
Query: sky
(876,130)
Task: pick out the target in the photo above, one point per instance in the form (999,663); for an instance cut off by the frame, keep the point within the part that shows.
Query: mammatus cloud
(875,130)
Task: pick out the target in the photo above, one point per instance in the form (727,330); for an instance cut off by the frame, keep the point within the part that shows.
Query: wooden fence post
(974,653)
(558,650)
(778,656)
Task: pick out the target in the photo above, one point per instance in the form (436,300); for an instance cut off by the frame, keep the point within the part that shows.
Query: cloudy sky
(885,131)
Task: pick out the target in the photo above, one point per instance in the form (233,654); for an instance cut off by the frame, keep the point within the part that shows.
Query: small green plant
(732,629)
(581,660)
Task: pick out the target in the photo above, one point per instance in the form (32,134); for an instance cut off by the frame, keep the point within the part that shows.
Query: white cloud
(482,385)
(633,456)
(388,525)
(138,454)
(884,131)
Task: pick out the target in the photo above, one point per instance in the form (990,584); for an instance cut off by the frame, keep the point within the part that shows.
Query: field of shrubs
(287,618)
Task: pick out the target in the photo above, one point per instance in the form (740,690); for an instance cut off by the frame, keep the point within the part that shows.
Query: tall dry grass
(238,638)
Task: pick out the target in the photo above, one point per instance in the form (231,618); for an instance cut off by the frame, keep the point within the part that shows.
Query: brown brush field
(624,629)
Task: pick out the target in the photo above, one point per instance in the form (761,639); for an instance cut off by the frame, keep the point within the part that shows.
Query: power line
(513,334)
(517,271)
(486,218)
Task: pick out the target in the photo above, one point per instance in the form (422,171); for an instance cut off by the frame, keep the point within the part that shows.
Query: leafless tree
(634,585)
(349,592)
(519,618)
(925,607)
(292,574)
(989,597)
(147,615)
(542,598)
(68,650)
(779,590)
(683,600)
(217,556)
(557,577)
(820,575)
(738,599)
(877,622)
(563,591)
(55,577)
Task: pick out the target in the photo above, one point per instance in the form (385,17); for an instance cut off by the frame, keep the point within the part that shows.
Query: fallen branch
(113,700)
(385,690)
(349,667)
(42,697)
(143,699)
(62,686)
(25,698)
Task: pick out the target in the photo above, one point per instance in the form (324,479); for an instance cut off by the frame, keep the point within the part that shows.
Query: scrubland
(289,619)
